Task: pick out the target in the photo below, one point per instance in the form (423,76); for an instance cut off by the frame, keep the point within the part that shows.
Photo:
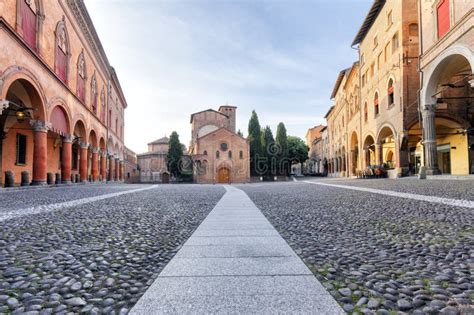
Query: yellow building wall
(460,155)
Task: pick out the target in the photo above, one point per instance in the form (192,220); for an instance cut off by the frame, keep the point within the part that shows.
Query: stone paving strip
(67,204)
(446,201)
(236,262)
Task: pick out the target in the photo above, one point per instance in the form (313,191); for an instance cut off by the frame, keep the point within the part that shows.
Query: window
(379,61)
(75,156)
(224,146)
(376,41)
(241,155)
(110,119)
(362,60)
(363,80)
(20,149)
(372,70)
(443,17)
(389,19)
(217,154)
(395,43)
(62,51)
(376,104)
(391,99)
(29,22)
(366,112)
(116,126)
(81,77)
(102,104)
(94,94)
(205,152)
(387,51)
(230,154)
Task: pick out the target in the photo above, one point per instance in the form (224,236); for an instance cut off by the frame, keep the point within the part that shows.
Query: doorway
(223,175)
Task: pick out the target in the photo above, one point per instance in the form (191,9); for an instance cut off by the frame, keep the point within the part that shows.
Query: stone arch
(33,91)
(383,131)
(369,149)
(62,47)
(93,139)
(445,60)
(60,120)
(79,130)
(102,144)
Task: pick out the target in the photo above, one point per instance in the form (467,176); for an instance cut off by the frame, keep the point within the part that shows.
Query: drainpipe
(420,40)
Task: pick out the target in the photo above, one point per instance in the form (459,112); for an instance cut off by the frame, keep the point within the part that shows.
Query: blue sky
(174,58)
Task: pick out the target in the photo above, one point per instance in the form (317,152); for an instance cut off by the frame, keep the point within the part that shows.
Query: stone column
(66,159)
(429,141)
(111,167)
(83,161)
(40,151)
(103,168)
(121,170)
(95,164)
(366,157)
(117,169)
(378,154)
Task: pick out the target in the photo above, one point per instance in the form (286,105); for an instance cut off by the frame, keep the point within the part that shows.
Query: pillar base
(433,171)
(39,183)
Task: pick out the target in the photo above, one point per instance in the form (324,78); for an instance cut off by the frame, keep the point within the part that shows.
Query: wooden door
(223,175)
(165,178)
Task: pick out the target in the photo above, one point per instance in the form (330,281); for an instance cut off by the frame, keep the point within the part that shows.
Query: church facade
(220,155)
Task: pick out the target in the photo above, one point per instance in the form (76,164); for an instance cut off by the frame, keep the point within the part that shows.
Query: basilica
(220,155)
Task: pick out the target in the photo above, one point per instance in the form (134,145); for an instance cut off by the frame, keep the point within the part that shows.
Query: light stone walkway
(236,262)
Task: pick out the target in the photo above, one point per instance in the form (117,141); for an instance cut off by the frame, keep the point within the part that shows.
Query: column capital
(69,138)
(103,154)
(40,125)
(429,107)
(95,150)
(84,145)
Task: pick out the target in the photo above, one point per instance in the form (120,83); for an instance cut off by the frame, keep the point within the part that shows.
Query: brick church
(219,153)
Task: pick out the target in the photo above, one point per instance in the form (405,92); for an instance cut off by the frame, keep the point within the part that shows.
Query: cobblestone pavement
(375,253)
(24,198)
(96,257)
(457,189)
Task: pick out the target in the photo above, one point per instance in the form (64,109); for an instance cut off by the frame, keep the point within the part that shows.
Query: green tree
(297,150)
(268,146)
(255,142)
(175,154)
(281,141)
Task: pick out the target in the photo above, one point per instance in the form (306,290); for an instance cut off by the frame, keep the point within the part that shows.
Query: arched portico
(445,104)
(354,153)
(369,151)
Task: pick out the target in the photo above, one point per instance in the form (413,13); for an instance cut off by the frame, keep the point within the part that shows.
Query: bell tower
(229,111)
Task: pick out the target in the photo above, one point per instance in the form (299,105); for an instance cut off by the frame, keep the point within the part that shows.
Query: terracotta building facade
(61,104)
(219,154)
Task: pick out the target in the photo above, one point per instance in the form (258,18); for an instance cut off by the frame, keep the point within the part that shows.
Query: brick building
(131,169)
(61,104)
(220,154)
(153,164)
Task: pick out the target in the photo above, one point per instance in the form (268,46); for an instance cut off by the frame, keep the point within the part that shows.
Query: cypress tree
(268,146)
(255,143)
(175,154)
(281,141)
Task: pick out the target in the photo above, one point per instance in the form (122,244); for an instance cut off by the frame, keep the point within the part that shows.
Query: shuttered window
(443,17)
(81,89)
(28,23)
(61,64)
(20,149)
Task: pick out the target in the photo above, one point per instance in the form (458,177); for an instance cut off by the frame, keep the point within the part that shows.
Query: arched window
(110,119)
(28,12)
(81,77)
(366,112)
(205,152)
(230,154)
(116,126)
(102,105)
(241,155)
(94,94)
(217,154)
(390,95)
(376,104)
(62,51)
